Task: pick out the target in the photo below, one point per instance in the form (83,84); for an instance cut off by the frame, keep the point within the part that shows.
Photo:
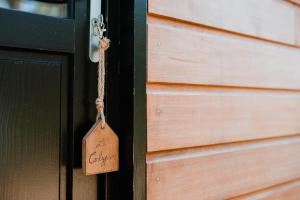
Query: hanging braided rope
(103,46)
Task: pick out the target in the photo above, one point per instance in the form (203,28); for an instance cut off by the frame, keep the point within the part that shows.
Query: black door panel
(48,88)
(30,128)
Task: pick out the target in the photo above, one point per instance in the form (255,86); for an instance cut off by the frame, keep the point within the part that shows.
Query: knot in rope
(104,43)
(99,104)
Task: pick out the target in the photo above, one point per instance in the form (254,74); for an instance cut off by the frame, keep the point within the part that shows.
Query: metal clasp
(98,27)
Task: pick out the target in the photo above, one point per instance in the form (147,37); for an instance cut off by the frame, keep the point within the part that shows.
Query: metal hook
(98,27)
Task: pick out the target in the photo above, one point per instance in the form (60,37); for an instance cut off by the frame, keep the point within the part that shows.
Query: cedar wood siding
(223,99)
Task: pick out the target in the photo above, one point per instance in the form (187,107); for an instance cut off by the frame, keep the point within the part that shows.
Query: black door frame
(126,108)
(36,32)
(139,99)
(127,63)
(134,68)
(125,94)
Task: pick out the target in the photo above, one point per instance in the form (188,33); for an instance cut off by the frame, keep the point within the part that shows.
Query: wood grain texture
(269,19)
(100,150)
(289,191)
(223,100)
(187,116)
(213,58)
(222,172)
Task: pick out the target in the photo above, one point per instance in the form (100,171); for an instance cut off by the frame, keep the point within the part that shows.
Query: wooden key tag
(100,146)
(100,150)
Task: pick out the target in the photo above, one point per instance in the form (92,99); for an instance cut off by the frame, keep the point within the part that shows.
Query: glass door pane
(47,7)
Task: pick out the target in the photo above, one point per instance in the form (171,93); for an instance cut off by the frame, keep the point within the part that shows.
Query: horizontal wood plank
(188,116)
(269,19)
(289,191)
(222,172)
(182,54)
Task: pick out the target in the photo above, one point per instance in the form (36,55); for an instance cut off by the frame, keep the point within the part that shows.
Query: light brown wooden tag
(100,150)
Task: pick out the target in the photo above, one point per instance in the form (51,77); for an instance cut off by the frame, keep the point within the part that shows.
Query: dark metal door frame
(127,61)
(126,95)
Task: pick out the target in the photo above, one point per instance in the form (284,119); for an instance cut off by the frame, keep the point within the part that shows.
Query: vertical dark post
(126,96)
(133,98)
(139,98)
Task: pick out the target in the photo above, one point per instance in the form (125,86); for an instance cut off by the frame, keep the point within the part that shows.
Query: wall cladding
(223,99)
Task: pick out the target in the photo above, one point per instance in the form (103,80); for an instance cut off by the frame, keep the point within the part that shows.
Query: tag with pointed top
(100,150)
